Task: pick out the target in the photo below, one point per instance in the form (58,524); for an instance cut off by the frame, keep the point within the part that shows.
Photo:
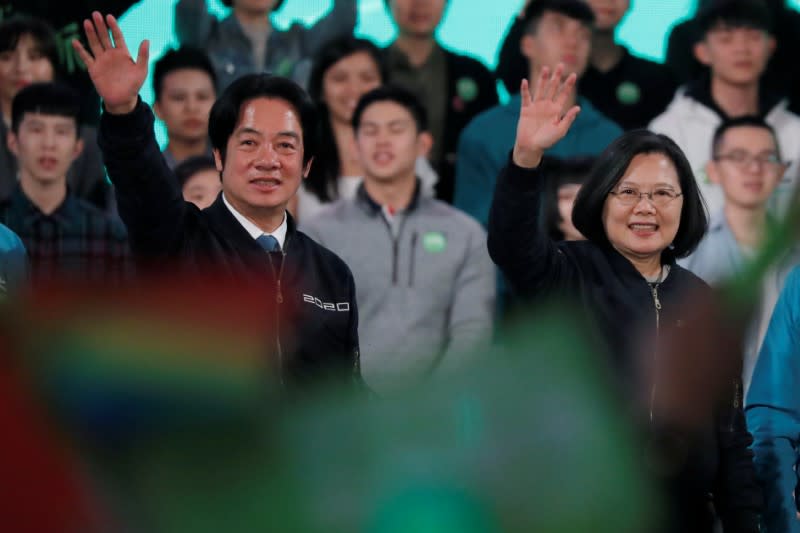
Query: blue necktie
(269,243)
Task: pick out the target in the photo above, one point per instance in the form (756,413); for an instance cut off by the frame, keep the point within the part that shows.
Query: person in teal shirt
(13,262)
(557,31)
(773,411)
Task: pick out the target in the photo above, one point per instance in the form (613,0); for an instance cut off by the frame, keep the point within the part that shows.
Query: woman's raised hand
(543,119)
(116,77)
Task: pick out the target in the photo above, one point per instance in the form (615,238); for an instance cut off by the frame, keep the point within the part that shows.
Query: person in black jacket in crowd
(260,131)
(454,88)
(640,209)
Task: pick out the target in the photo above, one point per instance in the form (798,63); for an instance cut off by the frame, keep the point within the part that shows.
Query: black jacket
(321,339)
(460,111)
(620,302)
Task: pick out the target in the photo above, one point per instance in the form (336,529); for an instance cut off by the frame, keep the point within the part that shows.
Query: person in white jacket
(736,46)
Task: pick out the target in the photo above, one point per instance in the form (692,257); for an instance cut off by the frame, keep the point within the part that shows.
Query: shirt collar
(254,231)
(398,60)
(65,214)
(374,207)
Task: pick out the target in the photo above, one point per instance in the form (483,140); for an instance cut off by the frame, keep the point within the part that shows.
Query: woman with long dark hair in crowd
(344,70)
(639,210)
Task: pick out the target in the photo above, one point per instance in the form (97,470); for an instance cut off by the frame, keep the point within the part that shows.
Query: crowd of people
(402,214)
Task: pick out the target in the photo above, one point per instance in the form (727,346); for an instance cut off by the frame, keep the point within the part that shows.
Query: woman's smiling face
(644,229)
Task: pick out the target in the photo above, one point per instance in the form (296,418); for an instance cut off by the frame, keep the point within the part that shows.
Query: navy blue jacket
(322,338)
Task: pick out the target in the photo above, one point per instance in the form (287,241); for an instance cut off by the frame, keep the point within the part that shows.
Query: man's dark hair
(225,111)
(574,9)
(276,7)
(191,166)
(50,98)
(185,57)
(398,95)
(731,14)
(44,38)
(611,165)
(749,121)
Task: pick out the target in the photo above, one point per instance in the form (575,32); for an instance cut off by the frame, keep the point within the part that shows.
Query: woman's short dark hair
(611,165)
(14,28)
(225,111)
(324,173)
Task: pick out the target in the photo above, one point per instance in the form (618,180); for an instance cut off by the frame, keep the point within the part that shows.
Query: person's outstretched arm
(526,256)
(147,194)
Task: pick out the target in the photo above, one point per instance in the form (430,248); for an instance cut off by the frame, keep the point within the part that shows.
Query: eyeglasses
(631,196)
(743,159)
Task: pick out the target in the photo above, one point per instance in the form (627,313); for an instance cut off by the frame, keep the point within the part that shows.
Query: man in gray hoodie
(425,284)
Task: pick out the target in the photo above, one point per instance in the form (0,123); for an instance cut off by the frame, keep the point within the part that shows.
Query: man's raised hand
(543,119)
(116,77)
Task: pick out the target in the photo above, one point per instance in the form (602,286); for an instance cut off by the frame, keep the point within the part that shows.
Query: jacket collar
(222,220)
(65,215)
(625,269)
(365,201)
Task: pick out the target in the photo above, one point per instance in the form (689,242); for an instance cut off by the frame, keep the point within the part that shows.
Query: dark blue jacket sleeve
(148,198)
(530,260)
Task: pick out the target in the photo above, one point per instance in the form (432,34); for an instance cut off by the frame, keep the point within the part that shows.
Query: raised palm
(116,77)
(543,119)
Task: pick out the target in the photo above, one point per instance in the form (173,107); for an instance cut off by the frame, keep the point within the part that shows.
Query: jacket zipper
(657,304)
(411,263)
(737,398)
(278,275)
(395,244)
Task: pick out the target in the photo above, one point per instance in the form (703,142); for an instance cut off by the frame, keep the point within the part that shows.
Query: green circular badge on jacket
(628,93)
(285,68)
(467,89)
(434,242)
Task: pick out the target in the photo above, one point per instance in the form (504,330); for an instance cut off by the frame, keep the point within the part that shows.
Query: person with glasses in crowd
(640,210)
(746,164)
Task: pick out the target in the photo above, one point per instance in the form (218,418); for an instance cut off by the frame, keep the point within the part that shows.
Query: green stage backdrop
(472,26)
